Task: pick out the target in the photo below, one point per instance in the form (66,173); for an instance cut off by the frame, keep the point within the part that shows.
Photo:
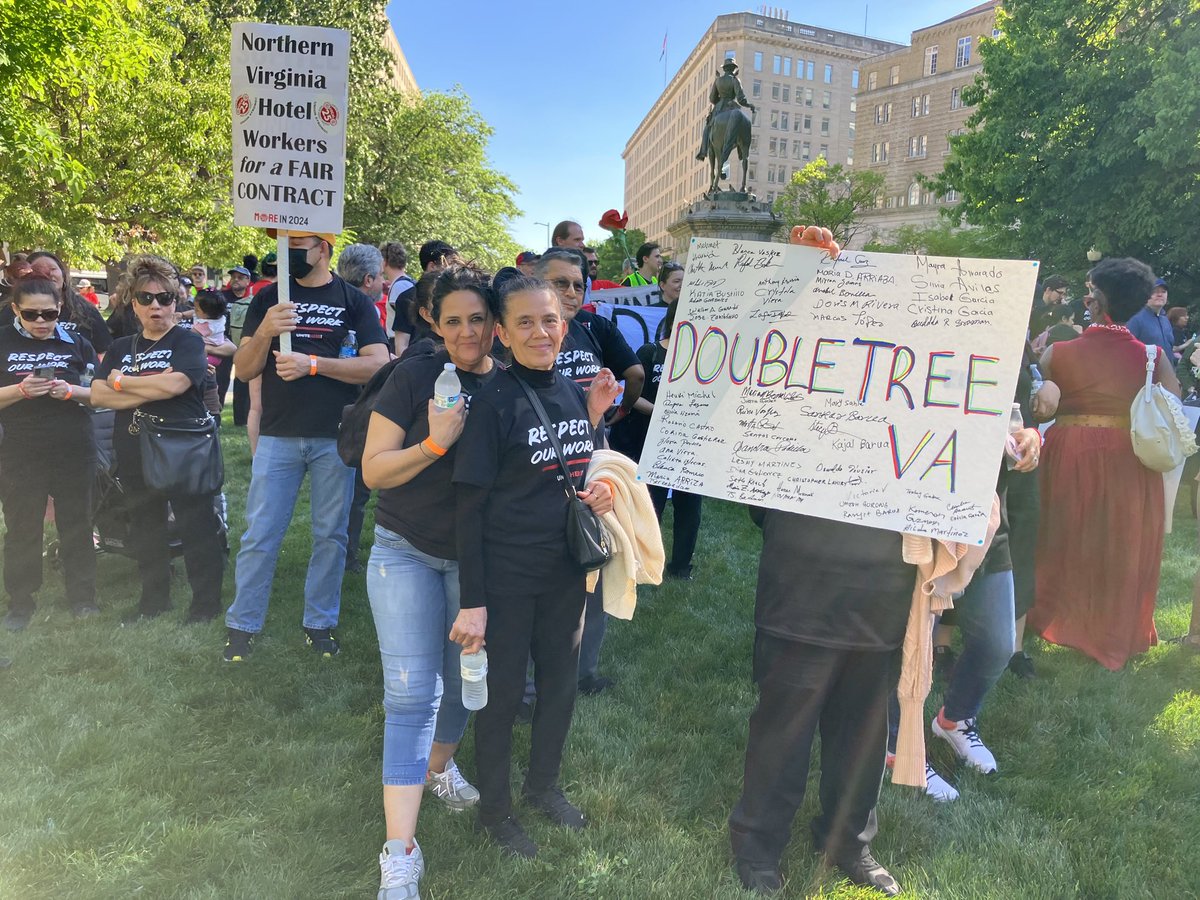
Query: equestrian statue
(726,127)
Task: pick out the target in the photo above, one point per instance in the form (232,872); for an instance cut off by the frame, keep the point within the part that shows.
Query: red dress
(1101,536)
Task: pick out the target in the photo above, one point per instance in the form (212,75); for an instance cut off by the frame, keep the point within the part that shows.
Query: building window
(783,121)
(796,125)
(770,196)
(771,145)
(757,62)
(825,127)
(756,88)
(809,74)
(824,151)
(853,104)
(951,197)
(874,153)
(885,149)
(826,99)
(775,90)
(828,74)
(754,144)
(771,174)
(854,79)
(924,104)
(808,97)
(914,194)
(799,67)
(807,151)
(787,66)
(931,60)
(795,149)
(776,64)
(850,156)
(787,93)
(808,124)
(890,203)
(752,172)
(851,132)
(962,56)
(956,98)
(774,118)
(894,75)
(878,113)
(922,145)
(872,81)
(916,107)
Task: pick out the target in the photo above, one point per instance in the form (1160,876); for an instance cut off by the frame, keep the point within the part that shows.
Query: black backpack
(356,416)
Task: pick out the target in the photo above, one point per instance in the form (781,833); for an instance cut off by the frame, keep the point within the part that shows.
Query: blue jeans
(414,599)
(275,479)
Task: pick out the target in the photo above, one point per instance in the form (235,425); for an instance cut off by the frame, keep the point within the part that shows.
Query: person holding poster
(303,393)
(1100,506)
(519,585)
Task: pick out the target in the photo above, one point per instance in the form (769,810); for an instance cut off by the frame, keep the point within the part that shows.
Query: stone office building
(909,104)
(801,78)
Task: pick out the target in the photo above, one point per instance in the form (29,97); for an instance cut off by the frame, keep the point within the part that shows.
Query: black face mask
(298,262)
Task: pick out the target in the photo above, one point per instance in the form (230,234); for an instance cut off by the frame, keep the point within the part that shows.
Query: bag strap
(1151,359)
(540,411)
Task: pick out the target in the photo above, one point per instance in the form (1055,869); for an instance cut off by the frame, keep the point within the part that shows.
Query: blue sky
(564,85)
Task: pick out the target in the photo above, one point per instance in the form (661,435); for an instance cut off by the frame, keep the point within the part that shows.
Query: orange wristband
(70,391)
(116,385)
(434,448)
(312,365)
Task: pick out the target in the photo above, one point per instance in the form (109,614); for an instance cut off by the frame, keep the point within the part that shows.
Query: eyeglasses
(32,315)
(562,285)
(145,298)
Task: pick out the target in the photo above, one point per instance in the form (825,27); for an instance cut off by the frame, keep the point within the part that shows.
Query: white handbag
(1162,436)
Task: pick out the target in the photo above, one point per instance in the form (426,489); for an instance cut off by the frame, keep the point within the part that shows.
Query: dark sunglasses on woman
(145,298)
(32,315)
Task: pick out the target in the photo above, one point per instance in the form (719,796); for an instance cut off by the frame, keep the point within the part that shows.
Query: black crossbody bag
(587,541)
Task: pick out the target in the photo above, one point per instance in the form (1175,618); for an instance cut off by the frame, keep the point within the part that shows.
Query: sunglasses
(565,284)
(32,315)
(145,298)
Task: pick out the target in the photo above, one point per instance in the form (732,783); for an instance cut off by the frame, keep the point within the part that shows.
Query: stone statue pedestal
(725,214)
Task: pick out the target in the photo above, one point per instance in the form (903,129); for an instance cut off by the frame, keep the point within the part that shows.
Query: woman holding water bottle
(412,576)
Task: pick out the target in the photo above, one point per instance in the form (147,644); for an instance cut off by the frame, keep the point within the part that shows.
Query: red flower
(614,221)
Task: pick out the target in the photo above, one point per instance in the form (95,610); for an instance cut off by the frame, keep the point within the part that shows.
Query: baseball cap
(527,256)
(240,270)
(1160,282)
(270,259)
(327,236)
(83,282)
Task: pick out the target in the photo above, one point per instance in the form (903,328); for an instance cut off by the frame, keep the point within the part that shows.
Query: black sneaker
(1022,666)
(18,619)
(510,837)
(595,684)
(556,807)
(238,645)
(323,642)
(864,870)
(758,877)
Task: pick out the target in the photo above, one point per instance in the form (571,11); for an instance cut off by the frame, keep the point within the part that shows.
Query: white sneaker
(452,789)
(964,739)
(399,871)
(938,788)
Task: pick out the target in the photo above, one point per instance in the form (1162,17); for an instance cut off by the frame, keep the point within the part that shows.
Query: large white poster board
(875,388)
(289,92)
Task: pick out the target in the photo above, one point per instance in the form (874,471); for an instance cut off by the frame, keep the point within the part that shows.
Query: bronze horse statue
(730,130)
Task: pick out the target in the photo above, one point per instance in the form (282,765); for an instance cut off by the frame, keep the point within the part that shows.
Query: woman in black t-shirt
(76,315)
(519,587)
(412,576)
(48,450)
(160,372)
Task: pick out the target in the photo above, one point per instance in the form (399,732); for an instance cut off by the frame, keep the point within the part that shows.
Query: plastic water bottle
(88,376)
(447,388)
(349,348)
(1036,376)
(473,667)
(1016,422)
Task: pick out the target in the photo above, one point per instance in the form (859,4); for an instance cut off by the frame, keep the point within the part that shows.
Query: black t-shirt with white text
(89,323)
(423,509)
(593,342)
(180,350)
(312,406)
(44,425)
(505,450)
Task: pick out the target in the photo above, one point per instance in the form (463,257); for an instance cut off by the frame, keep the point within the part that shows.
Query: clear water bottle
(349,348)
(473,667)
(447,388)
(88,376)
(1016,422)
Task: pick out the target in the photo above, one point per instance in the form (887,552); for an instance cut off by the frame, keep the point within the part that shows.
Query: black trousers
(203,551)
(686,529)
(24,490)
(224,376)
(1024,502)
(546,625)
(358,514)
(804,689)
(241,402)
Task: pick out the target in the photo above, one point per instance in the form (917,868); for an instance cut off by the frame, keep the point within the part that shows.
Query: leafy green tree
(611,258)
(831,196)
(943,239)
(1086,132)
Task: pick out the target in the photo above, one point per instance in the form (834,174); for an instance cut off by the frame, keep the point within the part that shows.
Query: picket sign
(875,388)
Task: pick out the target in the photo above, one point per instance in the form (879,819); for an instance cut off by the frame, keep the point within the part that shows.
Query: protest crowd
(486,413)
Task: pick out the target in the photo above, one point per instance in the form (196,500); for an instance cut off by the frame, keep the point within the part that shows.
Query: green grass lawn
(135,763)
